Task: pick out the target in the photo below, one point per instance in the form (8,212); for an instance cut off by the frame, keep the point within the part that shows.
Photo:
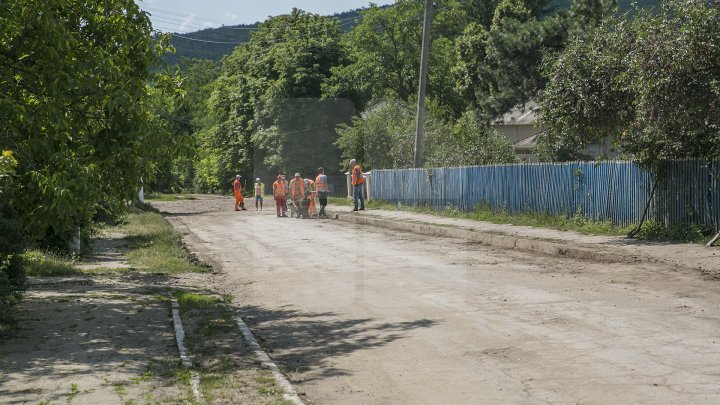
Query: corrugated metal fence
(689,191)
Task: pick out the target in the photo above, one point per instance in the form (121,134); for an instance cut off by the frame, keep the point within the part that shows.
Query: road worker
(238,189)
(297,193)
(259,189)
(321,185)
(280,193)
(358,182)
(309,201)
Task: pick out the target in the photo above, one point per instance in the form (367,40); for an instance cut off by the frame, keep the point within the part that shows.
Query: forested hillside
(214,43)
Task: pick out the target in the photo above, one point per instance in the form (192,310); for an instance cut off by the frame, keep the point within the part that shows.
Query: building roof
(521,114)
(527,144)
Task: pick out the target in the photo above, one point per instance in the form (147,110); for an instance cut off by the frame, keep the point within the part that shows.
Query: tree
(256,131)
(499,67)
(383,138)
(74,100)
(649,83)
(384,54)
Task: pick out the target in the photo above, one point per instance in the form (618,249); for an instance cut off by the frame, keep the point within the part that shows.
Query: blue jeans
(358,195)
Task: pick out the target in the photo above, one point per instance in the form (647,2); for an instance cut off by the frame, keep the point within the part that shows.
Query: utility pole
(420,119)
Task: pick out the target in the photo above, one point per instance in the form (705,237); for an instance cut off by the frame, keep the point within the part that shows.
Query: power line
(225,24)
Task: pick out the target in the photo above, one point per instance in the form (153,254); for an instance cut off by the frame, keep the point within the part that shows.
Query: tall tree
(499,67)
(74,105)
(384,54)
(648,82)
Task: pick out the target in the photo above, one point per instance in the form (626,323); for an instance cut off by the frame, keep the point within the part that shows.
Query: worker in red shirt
(238,189)
(280,193)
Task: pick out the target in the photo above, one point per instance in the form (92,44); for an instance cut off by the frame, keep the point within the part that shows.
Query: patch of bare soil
(108,338)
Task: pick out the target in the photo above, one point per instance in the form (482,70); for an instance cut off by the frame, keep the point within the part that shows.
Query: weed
(39,264)
(119,389)
(168,197)
(265,380)
(146,376)
(190,301)
(74,390)
(270,390)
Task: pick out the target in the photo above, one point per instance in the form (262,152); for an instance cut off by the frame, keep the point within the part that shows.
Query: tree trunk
(635,231)
(713,240)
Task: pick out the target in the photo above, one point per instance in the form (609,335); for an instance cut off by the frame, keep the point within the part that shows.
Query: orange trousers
(238,200)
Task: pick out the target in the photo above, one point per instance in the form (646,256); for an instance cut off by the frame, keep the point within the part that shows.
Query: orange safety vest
(321,183)
(357,175)
(279,188)
(237,186)
(295,190)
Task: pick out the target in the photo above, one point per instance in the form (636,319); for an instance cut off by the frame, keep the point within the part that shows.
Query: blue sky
(193,15)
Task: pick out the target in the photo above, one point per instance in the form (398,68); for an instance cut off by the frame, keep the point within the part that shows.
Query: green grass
(189,301)
(155,246)
(73,392)
(40,264)
(168,197)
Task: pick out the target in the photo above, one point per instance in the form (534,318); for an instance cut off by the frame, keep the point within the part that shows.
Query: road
(362,315)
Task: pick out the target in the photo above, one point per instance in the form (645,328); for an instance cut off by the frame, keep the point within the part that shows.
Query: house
(520,128)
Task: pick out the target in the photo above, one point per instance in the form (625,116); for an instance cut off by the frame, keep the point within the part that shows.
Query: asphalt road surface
(362,315)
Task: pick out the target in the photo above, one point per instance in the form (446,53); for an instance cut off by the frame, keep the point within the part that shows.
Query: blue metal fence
(688,192)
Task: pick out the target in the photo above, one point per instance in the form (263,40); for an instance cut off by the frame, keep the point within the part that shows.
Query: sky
(183,16)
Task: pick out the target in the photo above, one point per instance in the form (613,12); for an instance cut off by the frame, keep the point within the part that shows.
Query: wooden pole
(420,118)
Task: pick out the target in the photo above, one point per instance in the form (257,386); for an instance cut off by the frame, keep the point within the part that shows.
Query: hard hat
(258,179)
(353,161)
(237,176)
(297,174)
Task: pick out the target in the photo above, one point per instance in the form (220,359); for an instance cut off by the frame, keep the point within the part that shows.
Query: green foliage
(12,276)
(383,138)
(498,66)
(74,102)
(649,82)
(384,54)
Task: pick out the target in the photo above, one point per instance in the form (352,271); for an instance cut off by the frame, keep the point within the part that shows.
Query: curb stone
(502,241)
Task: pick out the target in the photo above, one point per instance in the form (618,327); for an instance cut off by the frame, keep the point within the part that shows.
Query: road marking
(180,338)
(267,362)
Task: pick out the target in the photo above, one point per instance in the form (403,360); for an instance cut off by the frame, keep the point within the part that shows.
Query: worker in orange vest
(280,193)
(238,189)
(297,193)
(309,201)
(321,186)
(358,182)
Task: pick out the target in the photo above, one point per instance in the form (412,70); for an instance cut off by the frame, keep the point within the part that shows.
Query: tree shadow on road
(307,342)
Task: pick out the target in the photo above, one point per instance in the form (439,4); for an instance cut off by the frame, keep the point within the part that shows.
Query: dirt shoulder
(687,255)
(102,333)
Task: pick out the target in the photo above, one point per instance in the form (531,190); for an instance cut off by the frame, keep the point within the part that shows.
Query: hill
(214,43)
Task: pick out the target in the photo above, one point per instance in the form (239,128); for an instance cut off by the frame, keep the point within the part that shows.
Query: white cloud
(186,22)
(210,24)
(231,16)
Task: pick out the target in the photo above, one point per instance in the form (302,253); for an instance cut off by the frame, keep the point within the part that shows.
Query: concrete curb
(502,241)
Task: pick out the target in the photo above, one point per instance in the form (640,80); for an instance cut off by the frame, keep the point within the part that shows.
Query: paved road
(360,315)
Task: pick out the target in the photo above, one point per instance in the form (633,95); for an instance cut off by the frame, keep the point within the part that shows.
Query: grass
(73,392)
(168,197)
(189,301)
(155,246)
(40,264)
